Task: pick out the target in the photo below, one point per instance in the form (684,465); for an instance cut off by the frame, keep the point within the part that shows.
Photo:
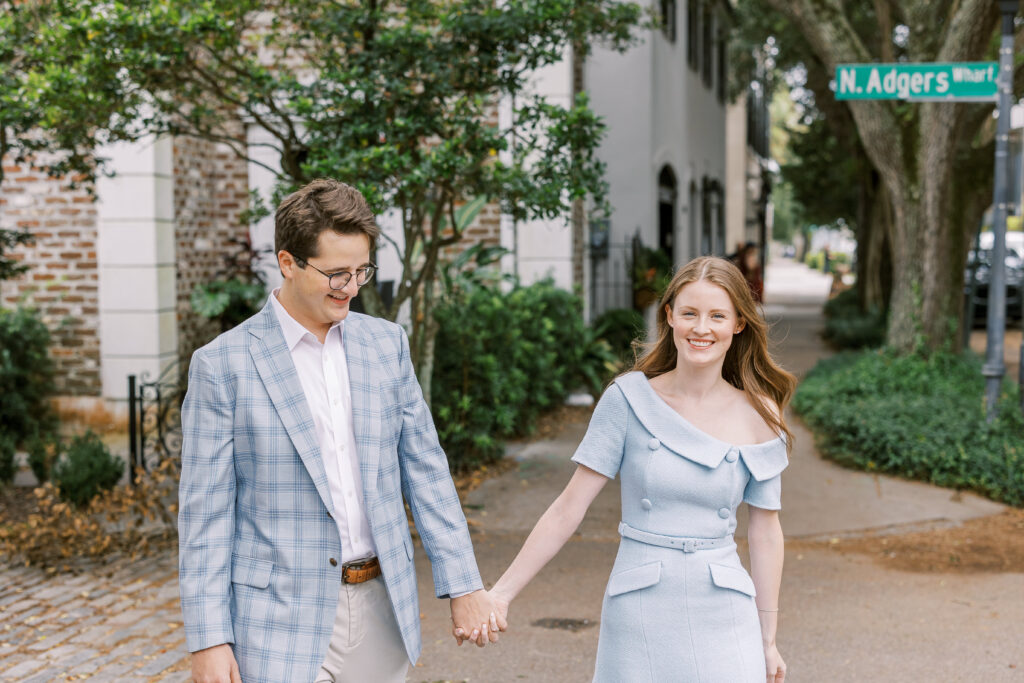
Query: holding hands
(477,617)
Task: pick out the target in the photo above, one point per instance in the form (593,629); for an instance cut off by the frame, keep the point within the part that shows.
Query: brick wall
(63,280)
(210,191)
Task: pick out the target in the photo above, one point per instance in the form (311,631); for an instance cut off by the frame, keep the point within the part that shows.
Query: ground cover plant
(849,326)
(916,416)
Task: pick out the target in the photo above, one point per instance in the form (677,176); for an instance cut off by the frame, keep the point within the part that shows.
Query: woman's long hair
(748,366)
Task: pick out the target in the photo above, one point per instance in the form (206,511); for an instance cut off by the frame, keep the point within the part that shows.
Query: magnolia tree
(398,99)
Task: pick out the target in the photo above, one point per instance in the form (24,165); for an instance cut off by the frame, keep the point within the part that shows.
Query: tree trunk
(578,209)
(928,256)
(425,338)
(874,262)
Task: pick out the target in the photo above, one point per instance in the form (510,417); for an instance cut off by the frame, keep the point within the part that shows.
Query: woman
(747,260)
(679,606)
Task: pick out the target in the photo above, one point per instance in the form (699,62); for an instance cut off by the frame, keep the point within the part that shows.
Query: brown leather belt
(358,572)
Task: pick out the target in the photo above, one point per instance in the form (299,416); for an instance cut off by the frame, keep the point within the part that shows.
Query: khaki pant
(366,644)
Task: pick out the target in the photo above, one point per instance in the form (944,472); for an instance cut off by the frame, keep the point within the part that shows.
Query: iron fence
(154,418)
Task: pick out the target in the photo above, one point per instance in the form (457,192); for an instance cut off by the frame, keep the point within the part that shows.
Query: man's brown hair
(323,204)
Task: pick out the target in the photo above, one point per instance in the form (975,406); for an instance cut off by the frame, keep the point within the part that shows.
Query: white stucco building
(664,104)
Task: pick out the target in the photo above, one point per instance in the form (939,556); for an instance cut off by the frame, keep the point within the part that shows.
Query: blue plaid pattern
(255,534)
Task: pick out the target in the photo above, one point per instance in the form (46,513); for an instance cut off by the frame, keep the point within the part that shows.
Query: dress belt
(687,545)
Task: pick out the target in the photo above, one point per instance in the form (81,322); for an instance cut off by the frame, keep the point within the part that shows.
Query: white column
(137,293)
(263,181)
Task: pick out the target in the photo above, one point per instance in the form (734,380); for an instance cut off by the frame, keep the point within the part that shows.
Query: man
(303,428)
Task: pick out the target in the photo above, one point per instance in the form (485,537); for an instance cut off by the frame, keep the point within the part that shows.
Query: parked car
(980,263)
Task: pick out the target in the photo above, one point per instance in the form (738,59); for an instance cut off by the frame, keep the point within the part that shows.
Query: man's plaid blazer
(255,532)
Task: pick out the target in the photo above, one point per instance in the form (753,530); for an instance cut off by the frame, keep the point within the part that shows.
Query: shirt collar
(292,329)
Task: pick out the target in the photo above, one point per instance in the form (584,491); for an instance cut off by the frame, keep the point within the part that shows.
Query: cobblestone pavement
(119,623)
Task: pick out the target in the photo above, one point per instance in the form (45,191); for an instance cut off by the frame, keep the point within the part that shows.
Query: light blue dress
(679,606)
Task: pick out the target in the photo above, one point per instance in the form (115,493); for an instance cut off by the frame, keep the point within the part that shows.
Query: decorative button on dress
(679,606)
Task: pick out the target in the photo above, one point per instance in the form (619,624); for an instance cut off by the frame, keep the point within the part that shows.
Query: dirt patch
(16,504)
(991,544)
(466,482)
(550,424)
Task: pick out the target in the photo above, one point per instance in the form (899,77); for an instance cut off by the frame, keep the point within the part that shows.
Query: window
(668,19)
(692,34)
(707,246)
(707,45)
(667,195)
(722,73)
(695,246)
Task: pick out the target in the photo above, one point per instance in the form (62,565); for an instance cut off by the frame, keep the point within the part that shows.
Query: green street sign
(964,81)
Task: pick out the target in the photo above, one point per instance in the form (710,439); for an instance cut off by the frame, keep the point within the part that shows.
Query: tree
(57,105)
(398,99)
(919,150)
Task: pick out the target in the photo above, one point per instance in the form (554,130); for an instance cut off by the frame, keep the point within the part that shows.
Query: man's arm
(206,499)
(429,490)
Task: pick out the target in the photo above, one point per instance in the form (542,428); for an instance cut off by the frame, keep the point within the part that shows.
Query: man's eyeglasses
(341,279)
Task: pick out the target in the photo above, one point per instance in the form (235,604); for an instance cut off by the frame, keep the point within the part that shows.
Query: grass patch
(916,417)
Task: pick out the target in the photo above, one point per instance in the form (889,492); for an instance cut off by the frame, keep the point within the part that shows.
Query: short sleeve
(602,446)
(765,494)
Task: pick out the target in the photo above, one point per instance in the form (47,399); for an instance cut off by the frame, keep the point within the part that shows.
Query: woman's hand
(501,603)
(775,668)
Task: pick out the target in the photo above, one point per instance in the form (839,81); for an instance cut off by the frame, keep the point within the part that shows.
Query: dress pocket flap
(634,579)
(734,578)
(251,571)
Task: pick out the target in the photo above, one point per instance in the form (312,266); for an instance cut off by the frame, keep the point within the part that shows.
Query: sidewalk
(845,618)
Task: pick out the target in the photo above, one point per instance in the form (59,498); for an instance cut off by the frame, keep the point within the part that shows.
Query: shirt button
(654,444)
(334,562)
(731,456)
(724,513)
(646,504)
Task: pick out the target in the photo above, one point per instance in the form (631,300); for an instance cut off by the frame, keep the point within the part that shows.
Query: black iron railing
(154,418)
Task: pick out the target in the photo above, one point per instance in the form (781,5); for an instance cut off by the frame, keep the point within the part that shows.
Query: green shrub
(86,469)
(7,466)
(620,327)
(42,453)
(229,302)
(26,374)
(849,327)
(916,417)
(503,358)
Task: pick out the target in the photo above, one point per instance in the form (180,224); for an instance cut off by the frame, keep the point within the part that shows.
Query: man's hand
(215,665)
(475,617)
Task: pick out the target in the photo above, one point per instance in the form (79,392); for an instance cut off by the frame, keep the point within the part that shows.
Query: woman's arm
(550,533)
(764,537)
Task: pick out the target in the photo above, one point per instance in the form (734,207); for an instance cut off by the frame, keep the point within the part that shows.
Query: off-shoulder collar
(764,460)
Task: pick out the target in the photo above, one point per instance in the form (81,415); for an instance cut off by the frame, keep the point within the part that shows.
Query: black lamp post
(994,368)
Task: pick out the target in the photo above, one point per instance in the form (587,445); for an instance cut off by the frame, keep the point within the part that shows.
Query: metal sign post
(995,329)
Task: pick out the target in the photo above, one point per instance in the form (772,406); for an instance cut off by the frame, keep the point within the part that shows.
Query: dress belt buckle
(689,546)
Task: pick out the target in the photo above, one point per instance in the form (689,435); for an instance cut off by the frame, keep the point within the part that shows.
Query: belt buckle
(358,564)
(689,546)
